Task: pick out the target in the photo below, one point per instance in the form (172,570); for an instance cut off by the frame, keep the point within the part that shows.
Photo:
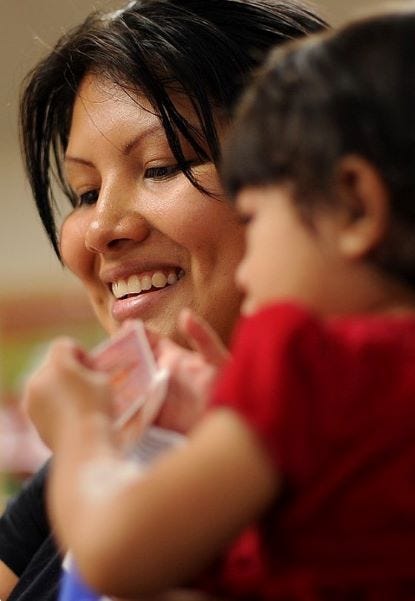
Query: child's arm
(134,535)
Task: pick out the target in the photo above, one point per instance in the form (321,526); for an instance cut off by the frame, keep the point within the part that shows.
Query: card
(138,385)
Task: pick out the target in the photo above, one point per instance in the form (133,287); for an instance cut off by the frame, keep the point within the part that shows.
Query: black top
(26,544)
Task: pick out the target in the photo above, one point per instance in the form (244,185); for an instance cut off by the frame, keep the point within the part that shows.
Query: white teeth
(158,279)
(172,278)
(120,289)
(146,282)
(135,284)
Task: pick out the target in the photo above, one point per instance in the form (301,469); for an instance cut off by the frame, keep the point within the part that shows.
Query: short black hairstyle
(350,91)
(205,48)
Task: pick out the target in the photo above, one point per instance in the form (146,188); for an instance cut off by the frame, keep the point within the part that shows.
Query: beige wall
(26,27)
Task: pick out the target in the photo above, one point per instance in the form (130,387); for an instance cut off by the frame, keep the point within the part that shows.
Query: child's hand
(192,372)
(63,390)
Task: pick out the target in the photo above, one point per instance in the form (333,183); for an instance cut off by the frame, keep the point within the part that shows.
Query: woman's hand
(63,390)
(192,372)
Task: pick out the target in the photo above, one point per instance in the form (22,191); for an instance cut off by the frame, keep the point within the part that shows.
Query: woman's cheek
(72,244)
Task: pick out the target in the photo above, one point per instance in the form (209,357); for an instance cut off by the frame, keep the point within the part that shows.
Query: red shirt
(334,404)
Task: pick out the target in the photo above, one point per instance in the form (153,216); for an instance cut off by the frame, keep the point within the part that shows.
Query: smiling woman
(126,116)
(142,238)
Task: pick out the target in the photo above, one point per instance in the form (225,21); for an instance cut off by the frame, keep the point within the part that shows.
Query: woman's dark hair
(205,48)
(338,93)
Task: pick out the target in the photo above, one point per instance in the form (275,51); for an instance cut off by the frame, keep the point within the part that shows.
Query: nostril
(115,244)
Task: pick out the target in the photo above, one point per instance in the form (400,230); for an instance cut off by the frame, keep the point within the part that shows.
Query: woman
(128,111)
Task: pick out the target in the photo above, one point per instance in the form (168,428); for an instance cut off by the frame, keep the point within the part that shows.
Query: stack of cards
(139,387)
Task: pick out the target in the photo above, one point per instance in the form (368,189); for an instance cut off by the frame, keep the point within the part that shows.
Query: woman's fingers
(42,393)
(61,386)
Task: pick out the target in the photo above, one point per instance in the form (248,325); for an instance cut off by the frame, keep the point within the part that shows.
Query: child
(310,437)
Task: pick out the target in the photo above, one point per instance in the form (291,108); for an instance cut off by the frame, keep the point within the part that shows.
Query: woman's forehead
(98,89)
(123,115)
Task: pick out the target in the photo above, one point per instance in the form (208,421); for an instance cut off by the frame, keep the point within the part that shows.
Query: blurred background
(38,298)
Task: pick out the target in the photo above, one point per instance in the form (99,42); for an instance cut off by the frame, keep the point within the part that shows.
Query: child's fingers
(170,355)
(203,338)
(153,339)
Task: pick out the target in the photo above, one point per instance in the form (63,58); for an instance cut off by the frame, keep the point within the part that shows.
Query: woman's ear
(364,199)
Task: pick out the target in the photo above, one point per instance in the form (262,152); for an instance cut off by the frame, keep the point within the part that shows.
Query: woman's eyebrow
(71,159)
(126,149)
(129,146)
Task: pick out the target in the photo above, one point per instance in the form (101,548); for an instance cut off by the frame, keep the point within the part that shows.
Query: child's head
(325,142)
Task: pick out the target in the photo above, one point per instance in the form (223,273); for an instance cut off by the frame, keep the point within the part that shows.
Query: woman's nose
(115,225)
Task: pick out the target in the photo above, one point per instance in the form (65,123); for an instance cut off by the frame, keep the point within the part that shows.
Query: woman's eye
(164,171)
(88,198)
(161,172)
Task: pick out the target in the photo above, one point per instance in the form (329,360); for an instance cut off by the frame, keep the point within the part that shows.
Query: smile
(139,284)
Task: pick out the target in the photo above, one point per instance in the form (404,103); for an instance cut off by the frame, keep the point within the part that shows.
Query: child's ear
(364,200)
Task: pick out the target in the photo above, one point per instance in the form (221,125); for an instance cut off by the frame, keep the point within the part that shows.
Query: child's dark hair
(205,48)
(336,94)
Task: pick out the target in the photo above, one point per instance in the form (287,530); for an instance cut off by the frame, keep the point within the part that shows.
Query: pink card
(138,386)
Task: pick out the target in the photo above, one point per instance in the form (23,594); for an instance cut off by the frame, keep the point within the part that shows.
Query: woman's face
(143,240)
